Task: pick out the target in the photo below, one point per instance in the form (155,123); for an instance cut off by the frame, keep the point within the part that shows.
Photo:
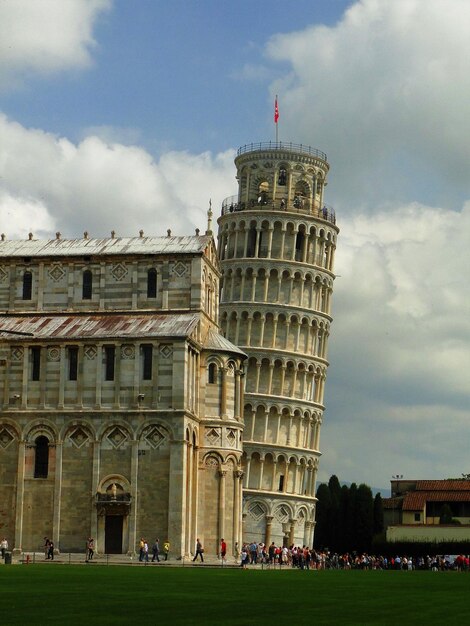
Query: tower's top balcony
(282,146)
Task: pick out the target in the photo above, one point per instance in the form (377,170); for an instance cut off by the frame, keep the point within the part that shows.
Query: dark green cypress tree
(343,529)
(333,516)
(364,518)
(378,514)
(322,534)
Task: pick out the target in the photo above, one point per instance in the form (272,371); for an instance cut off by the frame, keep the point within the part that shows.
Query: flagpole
(276,118)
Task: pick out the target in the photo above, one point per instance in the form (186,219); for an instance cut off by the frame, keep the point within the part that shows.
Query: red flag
(276,111)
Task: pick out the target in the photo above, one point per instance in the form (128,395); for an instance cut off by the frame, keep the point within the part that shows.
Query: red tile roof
(443,485)
(416,500)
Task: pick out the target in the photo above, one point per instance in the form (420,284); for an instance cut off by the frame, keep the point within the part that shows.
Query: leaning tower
(277,241)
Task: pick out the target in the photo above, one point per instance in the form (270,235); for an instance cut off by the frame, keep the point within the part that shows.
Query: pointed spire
(209,219)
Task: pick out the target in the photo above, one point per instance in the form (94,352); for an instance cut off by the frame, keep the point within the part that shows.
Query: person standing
(90,549)
(146,551)
(4,547)
(141,549)
(166,549)
(199,551)
(223,549)
(156,551)
(46,547)
(50,554)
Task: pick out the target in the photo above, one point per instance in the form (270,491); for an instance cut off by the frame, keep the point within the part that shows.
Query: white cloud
(98,186)
(385,93)
(45,36)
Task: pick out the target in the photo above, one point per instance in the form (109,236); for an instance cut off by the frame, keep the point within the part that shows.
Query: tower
(277,242)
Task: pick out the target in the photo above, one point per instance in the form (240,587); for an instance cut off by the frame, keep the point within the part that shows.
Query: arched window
(282,179)
(212,373)
(87,285)
(41,461)
(152,283)
(299,242)
(27,286)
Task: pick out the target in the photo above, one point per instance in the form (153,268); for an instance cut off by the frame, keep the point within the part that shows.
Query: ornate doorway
(113,534)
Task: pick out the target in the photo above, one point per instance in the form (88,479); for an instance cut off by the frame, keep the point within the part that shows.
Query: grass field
(69,594)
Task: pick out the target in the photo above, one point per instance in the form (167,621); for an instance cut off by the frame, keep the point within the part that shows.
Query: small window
(73,362)
(281,482)
(212,374)
(87,287)
(152,283)
(417,517)
(109,359)
(41,460)
(27,286)
(147,355)
(282,180)
(35,363)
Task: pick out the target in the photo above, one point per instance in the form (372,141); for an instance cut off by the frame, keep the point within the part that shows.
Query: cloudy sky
(126,115)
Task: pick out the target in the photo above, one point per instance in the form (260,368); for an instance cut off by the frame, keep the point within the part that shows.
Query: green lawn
(74,594)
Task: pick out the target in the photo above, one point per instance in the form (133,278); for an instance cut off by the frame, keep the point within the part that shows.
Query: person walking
(166,549)
(156,551)
(199,551)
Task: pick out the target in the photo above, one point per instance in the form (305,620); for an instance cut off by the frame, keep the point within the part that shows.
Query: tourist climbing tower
(277,241)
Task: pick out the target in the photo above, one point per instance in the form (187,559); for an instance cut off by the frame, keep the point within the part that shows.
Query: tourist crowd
(303,557)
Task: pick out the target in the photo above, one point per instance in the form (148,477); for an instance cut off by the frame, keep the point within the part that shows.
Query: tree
(364,518)
(322,535)
(378,514)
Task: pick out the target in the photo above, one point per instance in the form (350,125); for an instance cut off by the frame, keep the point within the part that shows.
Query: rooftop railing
(281,145)
(298,205)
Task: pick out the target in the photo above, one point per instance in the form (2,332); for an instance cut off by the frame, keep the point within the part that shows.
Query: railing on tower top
(281,145)
(298,205)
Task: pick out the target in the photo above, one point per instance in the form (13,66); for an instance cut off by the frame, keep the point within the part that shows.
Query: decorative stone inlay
(118,271)
(5,438)
(17,353)
(166,351)
(211,462)
(231,438)
(213,435)
(127,352)
(282,514)
(256,511)
(180,268)
(90,352)
(53,354)
(56,272)
(155,437)
(79,437)
(117,437)
(3,274)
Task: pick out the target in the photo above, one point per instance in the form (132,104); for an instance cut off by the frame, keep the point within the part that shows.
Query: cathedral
(163,386)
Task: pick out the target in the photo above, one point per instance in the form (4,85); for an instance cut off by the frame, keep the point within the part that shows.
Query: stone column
(99,374)
(292,532)
(57,496)
(117,375)
(223,399)
(267,537)
(132,541)
(18,547)
(222,474)
(238,475)
(62,377)
(94,489)
(177,495)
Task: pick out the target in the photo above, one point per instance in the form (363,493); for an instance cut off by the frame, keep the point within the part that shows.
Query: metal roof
(105,326)
(216,342)
(193,244)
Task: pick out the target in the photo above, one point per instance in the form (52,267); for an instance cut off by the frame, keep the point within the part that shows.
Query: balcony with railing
(281,146)
(298,205)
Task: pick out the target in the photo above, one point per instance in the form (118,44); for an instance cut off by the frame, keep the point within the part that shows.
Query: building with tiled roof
(414,510)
